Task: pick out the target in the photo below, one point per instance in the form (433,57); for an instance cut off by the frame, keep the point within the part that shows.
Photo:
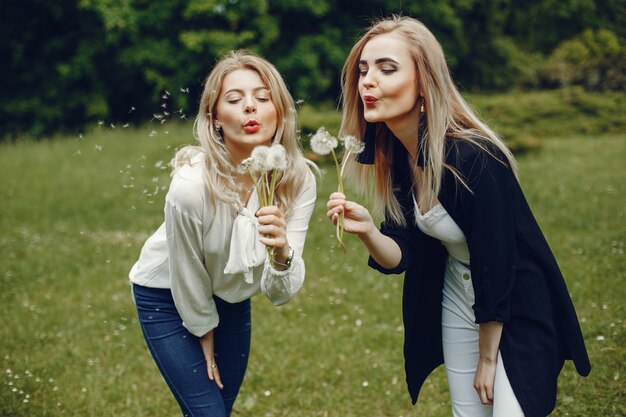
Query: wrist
(284,258)
(489,359)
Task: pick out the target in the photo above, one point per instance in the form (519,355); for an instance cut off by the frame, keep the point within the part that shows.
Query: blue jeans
(179,356)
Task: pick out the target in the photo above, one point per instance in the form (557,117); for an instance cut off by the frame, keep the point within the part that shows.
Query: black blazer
(515,277)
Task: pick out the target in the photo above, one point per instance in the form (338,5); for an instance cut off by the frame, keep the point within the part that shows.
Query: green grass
(75,213)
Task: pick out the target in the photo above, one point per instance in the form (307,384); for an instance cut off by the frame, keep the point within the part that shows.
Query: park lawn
(76,210)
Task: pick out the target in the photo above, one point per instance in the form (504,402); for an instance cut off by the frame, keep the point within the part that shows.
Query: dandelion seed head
(353,145)
(260,155)
(246,166)
(322,142)
(277,157)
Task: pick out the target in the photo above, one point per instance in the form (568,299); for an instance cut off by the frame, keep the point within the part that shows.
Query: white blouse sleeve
(190,282)
(281,286)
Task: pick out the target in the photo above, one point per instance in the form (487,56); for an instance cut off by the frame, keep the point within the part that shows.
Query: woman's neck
(407,133)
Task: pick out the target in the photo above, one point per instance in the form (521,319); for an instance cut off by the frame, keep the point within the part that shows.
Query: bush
(593,59)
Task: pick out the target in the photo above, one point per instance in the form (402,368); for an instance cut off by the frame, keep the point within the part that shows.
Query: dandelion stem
(339,231)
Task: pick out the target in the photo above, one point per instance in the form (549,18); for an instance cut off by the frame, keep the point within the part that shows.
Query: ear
(216,124)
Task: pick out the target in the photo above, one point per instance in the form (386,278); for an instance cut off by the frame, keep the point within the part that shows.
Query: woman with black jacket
(482,291)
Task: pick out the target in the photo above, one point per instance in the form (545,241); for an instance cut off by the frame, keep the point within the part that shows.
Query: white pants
(460,351)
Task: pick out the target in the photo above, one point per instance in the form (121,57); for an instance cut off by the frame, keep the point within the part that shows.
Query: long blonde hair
(219,170)
(447,115)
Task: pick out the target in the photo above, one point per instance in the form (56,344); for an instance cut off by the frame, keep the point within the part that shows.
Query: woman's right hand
(207,344)
(357,219)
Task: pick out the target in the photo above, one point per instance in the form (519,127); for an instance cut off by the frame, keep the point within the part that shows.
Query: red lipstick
(251,126)
(369,101)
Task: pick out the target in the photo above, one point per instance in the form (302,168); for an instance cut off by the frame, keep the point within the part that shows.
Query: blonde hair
(219,170)
(447,115)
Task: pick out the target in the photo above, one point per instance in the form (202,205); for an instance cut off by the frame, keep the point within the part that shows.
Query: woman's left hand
(484,379)
(273,231)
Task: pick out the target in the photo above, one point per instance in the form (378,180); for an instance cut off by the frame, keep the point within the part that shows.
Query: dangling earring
(422,101)
(217,126)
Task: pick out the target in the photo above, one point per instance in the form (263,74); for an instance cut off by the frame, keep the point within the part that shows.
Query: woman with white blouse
(196,274)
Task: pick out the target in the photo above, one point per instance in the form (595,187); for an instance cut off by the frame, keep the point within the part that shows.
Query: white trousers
(460,351)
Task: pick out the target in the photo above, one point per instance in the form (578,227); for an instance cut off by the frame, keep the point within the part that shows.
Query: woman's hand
(357,219)
(207,344)
(273,231)
(489,335)
(484,379)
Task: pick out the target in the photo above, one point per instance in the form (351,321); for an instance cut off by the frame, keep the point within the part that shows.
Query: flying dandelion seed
(153,133)
(299,102)
(112,126)
(100,122)
(126,125)
(98,148)
(184,90)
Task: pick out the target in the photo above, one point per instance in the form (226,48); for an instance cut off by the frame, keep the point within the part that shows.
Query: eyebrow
(239,90)
(380,60)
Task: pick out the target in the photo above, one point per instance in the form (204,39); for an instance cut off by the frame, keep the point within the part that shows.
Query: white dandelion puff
(352,145)
(322,142)
(260,155)
(246,166)
(277,157)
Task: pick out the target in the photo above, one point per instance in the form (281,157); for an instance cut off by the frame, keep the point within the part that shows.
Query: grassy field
(75,212)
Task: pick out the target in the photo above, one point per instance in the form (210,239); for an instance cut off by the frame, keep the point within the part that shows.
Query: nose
(367,80)
(249,106)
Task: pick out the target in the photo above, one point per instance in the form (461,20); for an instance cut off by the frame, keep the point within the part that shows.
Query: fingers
(484,391)
(486,395)
(274,242)
(272,227)
(214,374)
(336,204)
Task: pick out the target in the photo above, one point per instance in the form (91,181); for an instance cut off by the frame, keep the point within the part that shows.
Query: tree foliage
(69,63)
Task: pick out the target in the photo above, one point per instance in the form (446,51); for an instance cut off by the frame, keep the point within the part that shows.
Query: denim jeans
(179,356)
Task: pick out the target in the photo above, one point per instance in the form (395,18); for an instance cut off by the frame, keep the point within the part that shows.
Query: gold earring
(422,100)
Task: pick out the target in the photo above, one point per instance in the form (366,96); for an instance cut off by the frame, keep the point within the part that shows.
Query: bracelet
(288,261)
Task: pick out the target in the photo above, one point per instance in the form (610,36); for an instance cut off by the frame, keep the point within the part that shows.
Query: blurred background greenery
(67,64)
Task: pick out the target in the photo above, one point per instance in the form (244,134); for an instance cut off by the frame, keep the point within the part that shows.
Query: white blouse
(190,251)
(438,223)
